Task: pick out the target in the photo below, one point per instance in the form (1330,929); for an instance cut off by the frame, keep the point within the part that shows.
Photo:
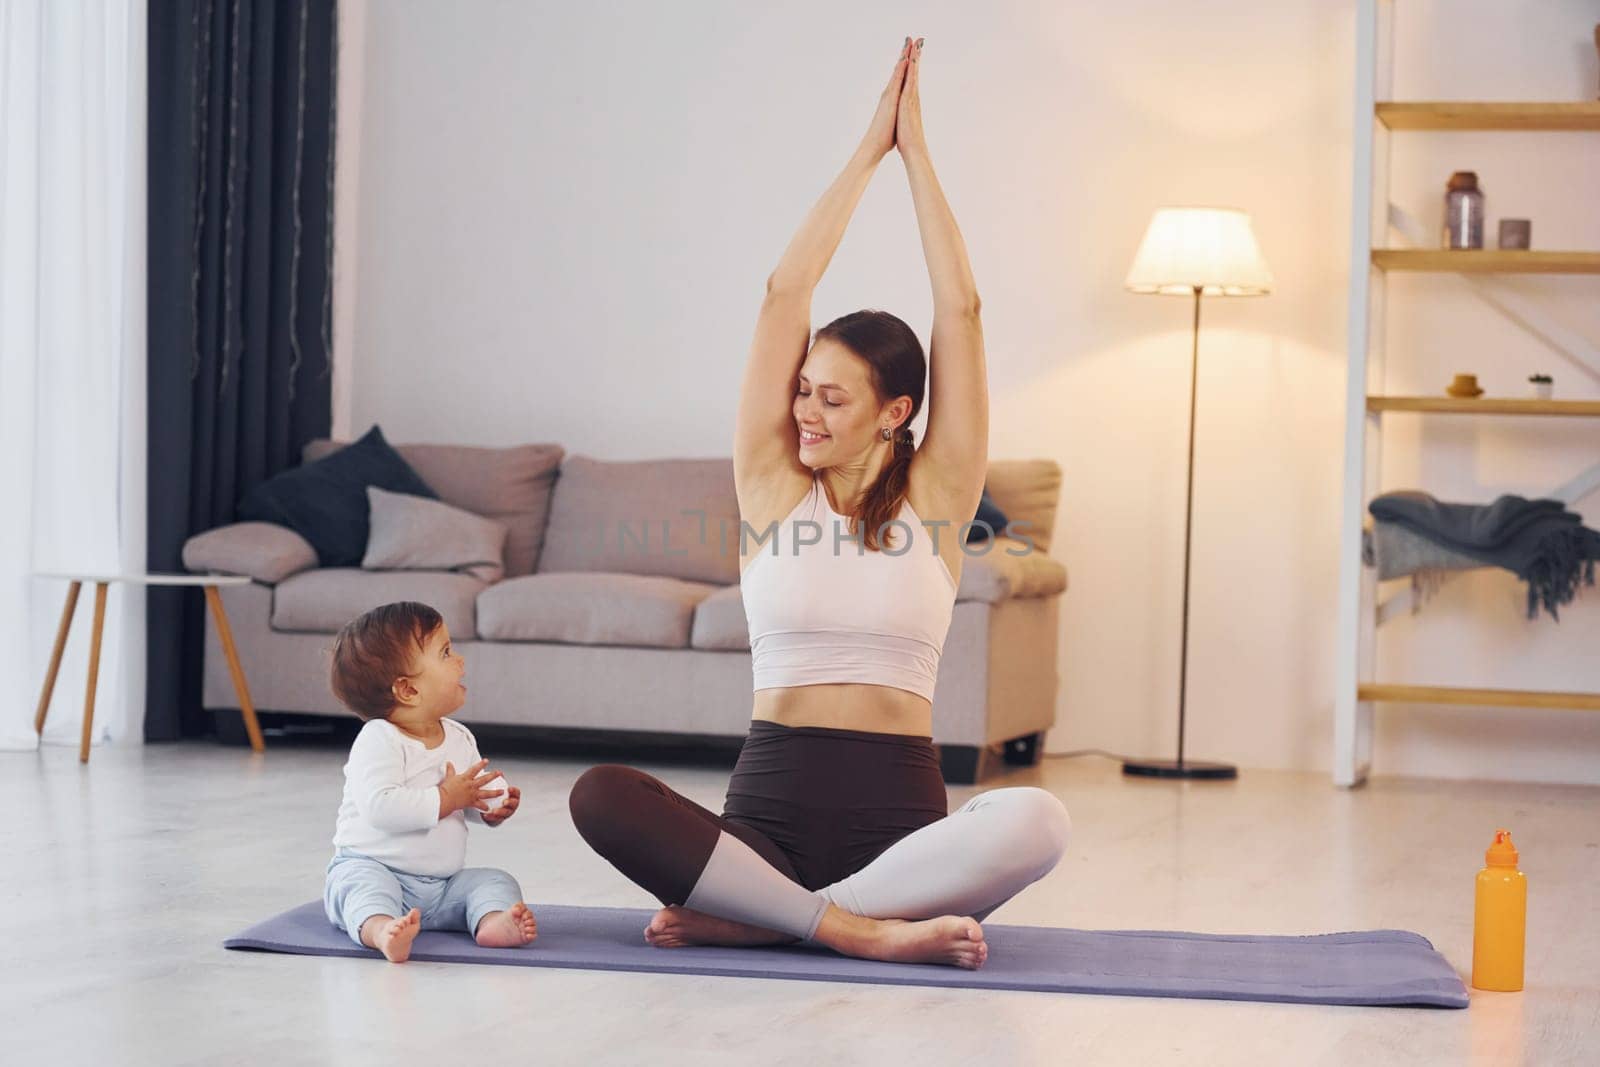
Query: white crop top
(823,609)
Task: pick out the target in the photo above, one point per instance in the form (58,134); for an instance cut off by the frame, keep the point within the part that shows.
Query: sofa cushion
(326,502)
(264,551)
(415,533)
(720,624)
(1027,490)
(591,609)
(676,518)
(322,601)
(508,484)
(998,574)
(989,514)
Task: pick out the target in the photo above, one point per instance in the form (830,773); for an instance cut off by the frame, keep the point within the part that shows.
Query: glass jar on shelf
(1463,211)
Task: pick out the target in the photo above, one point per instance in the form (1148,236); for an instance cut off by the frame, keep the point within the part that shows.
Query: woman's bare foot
(392,936)
(676,927)
(511,928)
(949,939)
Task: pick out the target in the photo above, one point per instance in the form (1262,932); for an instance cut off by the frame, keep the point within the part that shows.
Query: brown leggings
(817,804)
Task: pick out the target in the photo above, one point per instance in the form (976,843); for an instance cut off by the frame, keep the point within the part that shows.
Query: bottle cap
(1502,853)
(1463,181)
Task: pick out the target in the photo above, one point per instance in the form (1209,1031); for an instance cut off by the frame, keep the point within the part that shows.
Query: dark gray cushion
(591,609)
(988,521)
(326,502)
(509,484)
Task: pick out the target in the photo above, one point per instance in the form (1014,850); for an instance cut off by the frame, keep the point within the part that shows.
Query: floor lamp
(1195,252)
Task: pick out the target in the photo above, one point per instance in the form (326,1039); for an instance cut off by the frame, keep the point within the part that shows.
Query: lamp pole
(1180,768)
(1188,527)
(1188,251)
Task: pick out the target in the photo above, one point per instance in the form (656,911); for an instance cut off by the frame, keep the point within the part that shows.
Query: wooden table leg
(55,657)
(225,632)
(94,669)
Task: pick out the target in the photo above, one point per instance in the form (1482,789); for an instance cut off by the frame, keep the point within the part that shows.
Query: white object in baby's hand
(495,802)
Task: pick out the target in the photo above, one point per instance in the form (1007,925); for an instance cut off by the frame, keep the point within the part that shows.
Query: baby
(401,838)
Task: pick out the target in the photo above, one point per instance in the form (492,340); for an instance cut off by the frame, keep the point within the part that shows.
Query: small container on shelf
(1463,211)
(1542,386)
(1465,387)
(1516,234)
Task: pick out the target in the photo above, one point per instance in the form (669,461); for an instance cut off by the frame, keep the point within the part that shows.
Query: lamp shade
(1206,248)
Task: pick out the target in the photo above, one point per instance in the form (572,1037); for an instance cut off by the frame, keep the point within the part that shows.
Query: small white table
(210,582)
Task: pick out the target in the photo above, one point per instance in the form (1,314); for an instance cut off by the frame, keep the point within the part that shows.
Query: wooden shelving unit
(1482,698)
(1486,261)
(1488,405)
(1357,689)
(1464,115)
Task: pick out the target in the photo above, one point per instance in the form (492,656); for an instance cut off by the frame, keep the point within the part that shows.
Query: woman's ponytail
(897,368)
(887,493)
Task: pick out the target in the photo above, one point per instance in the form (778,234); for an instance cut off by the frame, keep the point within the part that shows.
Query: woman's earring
(887,433)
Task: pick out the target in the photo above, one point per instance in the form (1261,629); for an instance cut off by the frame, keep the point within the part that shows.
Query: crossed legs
(968,863)
(912,903)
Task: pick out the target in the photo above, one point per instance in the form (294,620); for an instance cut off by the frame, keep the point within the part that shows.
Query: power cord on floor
(1075,753)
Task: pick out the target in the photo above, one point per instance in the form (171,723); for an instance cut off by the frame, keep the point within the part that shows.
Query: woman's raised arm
(764,432)
(812,247)
(955,447)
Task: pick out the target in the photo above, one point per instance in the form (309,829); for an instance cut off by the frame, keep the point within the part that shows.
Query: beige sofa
(620,606)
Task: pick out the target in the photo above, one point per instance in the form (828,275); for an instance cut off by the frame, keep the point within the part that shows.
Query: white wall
(566,218)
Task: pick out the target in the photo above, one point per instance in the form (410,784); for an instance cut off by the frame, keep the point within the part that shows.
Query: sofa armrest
(1010,569)
(261,550)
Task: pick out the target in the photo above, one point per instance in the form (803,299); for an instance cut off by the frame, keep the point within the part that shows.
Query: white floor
(122,878)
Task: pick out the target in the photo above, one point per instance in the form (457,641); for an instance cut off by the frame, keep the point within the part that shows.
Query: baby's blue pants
(358,888)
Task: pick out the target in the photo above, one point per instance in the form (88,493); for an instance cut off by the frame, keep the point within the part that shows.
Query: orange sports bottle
(1500,919)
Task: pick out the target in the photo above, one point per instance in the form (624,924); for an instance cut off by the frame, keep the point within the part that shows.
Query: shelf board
(1465,115)
(1487,698)
(1486,261)
(1487,405)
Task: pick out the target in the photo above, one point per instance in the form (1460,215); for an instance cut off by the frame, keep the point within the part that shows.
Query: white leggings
(968,863)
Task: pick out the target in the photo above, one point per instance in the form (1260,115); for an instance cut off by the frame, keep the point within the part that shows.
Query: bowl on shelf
(1465,387)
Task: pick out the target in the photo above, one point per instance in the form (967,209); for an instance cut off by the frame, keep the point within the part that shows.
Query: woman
(835,827)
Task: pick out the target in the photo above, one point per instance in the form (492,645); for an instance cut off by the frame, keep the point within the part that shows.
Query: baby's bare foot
(393,937)
(675,927)
(511,928)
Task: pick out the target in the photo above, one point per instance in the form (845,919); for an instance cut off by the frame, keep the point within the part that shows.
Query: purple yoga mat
(1376,968)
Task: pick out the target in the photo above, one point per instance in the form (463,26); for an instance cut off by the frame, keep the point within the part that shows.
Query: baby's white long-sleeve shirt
(390,810)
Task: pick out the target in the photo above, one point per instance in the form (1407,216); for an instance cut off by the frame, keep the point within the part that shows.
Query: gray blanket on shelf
(1399,553)
(1539,541)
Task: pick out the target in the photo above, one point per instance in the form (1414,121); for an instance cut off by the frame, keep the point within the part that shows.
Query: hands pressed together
(507,808)
(898,121)
(469,790)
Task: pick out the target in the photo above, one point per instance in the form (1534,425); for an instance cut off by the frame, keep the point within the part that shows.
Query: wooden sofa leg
(1024,751)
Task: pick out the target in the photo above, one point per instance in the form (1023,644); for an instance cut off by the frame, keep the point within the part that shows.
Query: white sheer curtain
(72,359)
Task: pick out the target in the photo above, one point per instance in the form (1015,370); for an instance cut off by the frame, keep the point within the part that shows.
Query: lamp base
(1167,768)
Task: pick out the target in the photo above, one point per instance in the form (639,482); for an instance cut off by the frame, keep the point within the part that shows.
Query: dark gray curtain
(241,98)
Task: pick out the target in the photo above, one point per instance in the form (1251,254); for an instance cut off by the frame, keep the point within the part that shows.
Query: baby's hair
(376,648)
